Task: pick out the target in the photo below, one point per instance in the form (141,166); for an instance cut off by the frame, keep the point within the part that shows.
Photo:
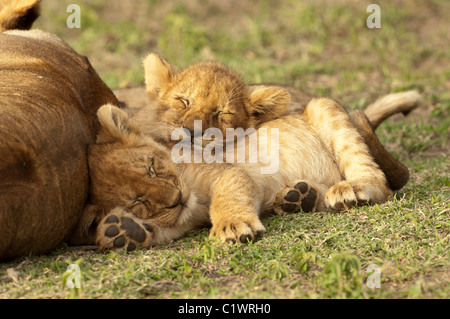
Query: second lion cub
(218,96)
(206,91)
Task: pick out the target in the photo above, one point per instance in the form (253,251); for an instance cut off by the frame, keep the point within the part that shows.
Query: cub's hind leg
(364,181)
(300,194)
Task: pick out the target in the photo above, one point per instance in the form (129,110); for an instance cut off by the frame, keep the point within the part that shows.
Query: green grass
(319,255)
(325,49)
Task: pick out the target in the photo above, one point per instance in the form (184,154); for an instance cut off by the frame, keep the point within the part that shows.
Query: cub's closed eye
(150,169)
(226,113)
(185,102)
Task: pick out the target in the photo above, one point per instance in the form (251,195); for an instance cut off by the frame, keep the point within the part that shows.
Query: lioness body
(49,97)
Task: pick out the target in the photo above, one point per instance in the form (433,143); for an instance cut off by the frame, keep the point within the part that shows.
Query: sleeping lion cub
(218,96)
(206,91)
(140,197)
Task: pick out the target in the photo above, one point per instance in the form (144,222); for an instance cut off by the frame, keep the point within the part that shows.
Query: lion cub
(141,196)
(206,91)
(219,97)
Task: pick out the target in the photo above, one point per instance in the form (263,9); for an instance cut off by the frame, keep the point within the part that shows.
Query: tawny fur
(49,97)
(386,106)
(232,197)
(217,95)
(320,147)
(18,14)
(207,91)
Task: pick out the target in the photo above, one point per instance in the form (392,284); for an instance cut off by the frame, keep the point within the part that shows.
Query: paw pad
(123,232)
(309,201)
(292,199)
(292,196)
(112,231)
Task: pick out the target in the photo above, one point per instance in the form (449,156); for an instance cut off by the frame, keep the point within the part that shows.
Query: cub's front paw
(121,230)
(241,229)
(291,198)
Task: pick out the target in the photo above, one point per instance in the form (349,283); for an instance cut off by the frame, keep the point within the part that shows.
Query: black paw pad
(350,203)
(309,201)
(245,238)
(119,242)
(112,220)
(133,230)
(292,196)
(302,187)
(112,231)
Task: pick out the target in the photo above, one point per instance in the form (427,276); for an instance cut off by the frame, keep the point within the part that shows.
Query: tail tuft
(388,105)
(18,14)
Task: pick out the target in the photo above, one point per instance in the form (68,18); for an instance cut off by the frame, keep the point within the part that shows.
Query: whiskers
(235,93)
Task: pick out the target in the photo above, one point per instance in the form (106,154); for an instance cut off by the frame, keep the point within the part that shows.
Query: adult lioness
(49,96)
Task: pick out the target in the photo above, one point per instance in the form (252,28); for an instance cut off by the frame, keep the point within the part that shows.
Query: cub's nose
(194,125)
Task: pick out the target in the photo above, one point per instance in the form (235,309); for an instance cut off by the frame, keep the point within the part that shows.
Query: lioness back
(49,96)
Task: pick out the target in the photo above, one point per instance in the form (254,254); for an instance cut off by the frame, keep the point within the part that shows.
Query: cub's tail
(396,173)
(18,14)
(385,106)
(366,122)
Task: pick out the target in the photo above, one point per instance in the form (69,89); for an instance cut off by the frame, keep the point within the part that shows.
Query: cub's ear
(267,102)
(18,15)
(114,124)
(158,73)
